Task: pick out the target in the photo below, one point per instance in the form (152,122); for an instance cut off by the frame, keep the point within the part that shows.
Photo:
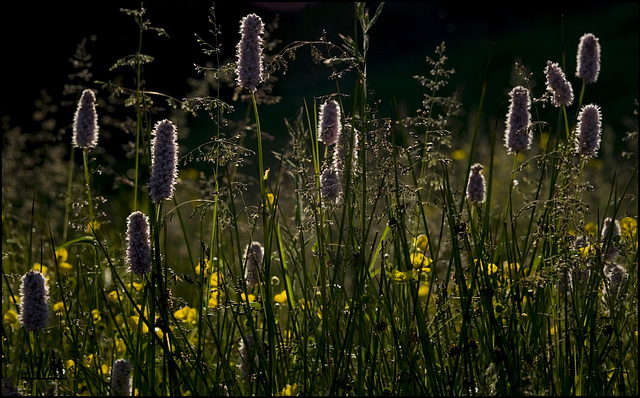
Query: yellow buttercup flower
(591,229)
(133,324)
(62,254)
(423,290)
(288,390)
(40,268)
(251,298)
(186,314)
(400,277)
(588,251)
(135,285)
(58,308)
(281,298)
(421,242)
(216,279)
(11,317)
(458,154)
(113,296)
(97,316)
(628,229)
(207,263)
(512,270)
(92,226)
(418,260)
(270,199)
(489,269)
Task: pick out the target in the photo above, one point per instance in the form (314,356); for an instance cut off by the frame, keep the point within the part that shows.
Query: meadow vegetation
(373,255)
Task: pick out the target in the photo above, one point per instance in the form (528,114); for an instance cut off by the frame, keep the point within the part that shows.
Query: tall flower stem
(85,156)
(67,206)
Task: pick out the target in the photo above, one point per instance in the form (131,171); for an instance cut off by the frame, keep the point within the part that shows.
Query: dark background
(38,39)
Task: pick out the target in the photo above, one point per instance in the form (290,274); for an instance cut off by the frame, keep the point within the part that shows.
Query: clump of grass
(367,264)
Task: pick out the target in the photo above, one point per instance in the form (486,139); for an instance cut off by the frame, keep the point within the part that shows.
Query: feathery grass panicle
(85,122)
(558,85)
(517,136)
(329,129)
(249,52)
(589,131)
(329,185)
(139,245)
(121,378)
(476,188)
(588,58)
(33,298)
(254,255)
(164,161)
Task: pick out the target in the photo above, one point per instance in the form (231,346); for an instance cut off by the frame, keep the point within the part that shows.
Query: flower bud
(33,298)
(558,85)
(589,131)
(85,122)
(476,187)
(517,136)
(329,185)
(164,161)
(139,246)
(329,128)
(254,256)
(588,58)
(121,378)
(249,52)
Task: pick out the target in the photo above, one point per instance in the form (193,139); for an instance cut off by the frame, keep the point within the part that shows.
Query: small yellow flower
(512,270)
(591,229)
(418,260)
(302,303)
(62,254)
(251,298)
(207,263)
(458,154)
(400,277)
(97,316)
(14,299)
(120,347)
(40,268)
(588,251)
(489,269)
(213,301)
(92,226)
(288,391)
(113,296)
(70,365)
(421,242)
(270,199)
(136,286)
(65,266)
(281,298)
(11,317)
(133,324)
(423,290)
(628,228)
(58,308)
(186,314)
(216,279)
